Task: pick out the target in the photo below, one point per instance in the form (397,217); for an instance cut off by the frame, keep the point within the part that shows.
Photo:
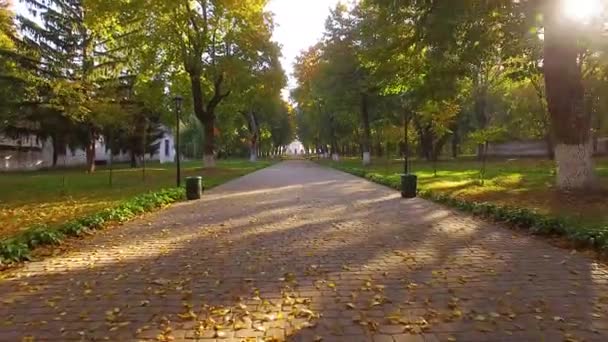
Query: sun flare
(582,10)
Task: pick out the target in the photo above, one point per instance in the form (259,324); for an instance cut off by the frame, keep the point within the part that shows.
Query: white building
(30,153)
(296,148)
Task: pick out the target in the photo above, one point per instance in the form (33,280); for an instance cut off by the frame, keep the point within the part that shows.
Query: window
(167,152)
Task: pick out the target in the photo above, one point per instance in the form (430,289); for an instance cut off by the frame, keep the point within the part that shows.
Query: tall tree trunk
(90,153)
(365,143)
(255,136)
(206,118)
(55,157)
(59,148)
(334,142)
(209,141)
(455,144)
(55,145)
(565,96)
(438,145)
(480,113)
(253,153)
(133,159)
(426,141)
(550,145)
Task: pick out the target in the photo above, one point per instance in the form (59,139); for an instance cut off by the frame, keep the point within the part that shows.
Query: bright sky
(300,24)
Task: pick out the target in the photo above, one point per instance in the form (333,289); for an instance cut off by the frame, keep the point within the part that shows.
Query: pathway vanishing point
(304,253)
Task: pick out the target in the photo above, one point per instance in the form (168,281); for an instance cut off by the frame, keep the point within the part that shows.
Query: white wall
(533,148)
(29,153)
(519,149)
(166,150)
(295,148)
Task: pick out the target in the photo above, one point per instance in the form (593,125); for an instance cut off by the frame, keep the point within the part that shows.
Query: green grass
(524,183)
(42,197)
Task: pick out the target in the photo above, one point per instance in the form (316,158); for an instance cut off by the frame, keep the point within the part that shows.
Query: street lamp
(409,182)
(406,144)
(178,107)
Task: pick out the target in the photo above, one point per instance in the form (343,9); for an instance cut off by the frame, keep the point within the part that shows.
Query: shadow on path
(300,252)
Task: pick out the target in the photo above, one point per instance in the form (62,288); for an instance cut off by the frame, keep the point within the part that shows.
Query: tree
(464,30)
(211,41)
(342,49)
(565,97)
(258,97)
(337,97)
(71,56)
(483,138)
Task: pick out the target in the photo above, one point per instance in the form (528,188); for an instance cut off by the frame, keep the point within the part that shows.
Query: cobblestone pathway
(299,252)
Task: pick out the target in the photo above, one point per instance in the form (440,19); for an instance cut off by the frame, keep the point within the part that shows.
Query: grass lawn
(524,183)
(30,198)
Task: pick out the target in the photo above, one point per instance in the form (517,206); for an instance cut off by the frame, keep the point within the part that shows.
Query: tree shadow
(297,252)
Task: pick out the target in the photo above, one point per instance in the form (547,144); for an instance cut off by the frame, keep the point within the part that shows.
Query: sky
(299,25)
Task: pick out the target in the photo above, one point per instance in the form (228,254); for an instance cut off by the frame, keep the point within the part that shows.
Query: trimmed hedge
(536,223)
(18,248)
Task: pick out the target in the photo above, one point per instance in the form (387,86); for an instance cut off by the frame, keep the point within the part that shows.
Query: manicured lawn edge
(18,248)
(536,223)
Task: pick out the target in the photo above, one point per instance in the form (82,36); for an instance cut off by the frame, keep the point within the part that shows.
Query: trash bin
(409,185)
(194,188)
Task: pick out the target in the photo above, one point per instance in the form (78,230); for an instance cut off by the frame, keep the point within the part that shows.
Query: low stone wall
(535,148)
(21,160)
(519,149)
(39,155)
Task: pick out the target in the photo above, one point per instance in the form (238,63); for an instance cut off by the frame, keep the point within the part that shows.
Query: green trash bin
(409,186)
(194,188)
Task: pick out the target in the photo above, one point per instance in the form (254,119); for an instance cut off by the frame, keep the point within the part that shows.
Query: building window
(167,152)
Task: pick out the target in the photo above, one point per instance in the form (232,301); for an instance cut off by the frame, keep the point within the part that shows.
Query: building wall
(536,148)
(26,153)
(295,148)
(29,153)
(519,149)
(166,150)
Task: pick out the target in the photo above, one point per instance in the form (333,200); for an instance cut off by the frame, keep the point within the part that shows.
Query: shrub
(18,248)
(531,220)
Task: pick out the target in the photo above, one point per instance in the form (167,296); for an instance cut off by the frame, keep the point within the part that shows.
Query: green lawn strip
(18,248)
(589,236)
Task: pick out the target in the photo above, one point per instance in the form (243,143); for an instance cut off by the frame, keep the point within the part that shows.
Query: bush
(18,248)
(531,220)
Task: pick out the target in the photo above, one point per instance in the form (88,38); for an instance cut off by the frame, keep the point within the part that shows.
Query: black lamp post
(406,145)
(178,107)
(409,182)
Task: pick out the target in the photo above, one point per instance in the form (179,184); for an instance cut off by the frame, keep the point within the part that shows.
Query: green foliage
(88,69)
(455,69)
(18,248)
(13,250)
(520,217)
(528,219)
(488,135)
(215,50)
(52,197)
(112,205)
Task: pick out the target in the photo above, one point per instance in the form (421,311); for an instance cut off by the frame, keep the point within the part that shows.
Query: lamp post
(406,145)
(409,182)
(178,106)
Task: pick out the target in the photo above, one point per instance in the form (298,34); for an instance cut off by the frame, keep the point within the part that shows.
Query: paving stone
(301,252)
